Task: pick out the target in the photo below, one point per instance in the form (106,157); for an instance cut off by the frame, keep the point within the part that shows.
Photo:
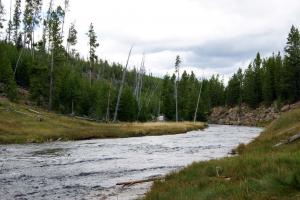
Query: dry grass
(260,172)
(20,125)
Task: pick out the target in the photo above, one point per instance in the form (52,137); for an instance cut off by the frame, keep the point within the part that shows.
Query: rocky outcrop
(244,115)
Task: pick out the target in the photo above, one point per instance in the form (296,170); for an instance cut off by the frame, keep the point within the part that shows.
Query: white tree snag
(107,118)
(197,106)
(51,82)
(121,87)
(130,183)
(288,141)
(177,66)
(17,64)
(176,100)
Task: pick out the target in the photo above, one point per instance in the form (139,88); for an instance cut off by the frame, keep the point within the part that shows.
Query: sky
(212,37)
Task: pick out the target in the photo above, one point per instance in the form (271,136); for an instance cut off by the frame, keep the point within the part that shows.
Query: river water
(90,169)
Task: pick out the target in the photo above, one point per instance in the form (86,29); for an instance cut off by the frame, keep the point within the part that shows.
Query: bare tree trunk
(51,83)
(73,107)
(140,88)
(9,23)
(48,18)
(17,64)
(240,103)
(32,43)
(158,111)
(148,100)
(108,103)
(121,87)
(197,106)
(66,5)
(176,100)
(68,44)
(136,83)
(90,74)
(139,81)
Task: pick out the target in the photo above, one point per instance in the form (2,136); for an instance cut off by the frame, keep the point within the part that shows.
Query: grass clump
(260,171)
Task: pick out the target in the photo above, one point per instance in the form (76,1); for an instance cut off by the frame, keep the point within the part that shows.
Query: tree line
(59,79)
(275,79)
(271,80)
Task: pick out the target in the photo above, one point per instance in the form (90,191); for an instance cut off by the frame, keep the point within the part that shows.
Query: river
(90,169)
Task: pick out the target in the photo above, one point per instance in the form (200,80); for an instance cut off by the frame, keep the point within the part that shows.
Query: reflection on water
(90,169)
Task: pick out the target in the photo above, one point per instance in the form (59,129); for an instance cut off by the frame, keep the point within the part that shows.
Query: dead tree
(130,183)
(51,81)
(139,82)
(198,100)
(108,102)
(177,65)
(149,98)
(289,140)
(18,61)
(66,6)
(121,87)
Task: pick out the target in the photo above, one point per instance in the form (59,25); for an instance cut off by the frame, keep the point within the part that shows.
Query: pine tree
(28,21)
(31,19)
(9,25)
(279,74)
(233,91)
(185,96)
(1,15)
(269,80)
(128,106)
(292,64)
(56,47)
(93,44)
(72,38)
(249,85)
(7,77)
(167,97)
(17,21)
(257,79)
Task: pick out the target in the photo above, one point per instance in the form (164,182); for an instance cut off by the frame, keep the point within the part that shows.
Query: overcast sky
(211,36)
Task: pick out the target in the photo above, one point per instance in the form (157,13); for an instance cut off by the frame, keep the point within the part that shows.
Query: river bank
(25,124)
(262,170)
(246,116)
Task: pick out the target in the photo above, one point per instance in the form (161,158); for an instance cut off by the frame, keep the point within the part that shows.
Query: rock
(295,105)
(244,115)
(285,108)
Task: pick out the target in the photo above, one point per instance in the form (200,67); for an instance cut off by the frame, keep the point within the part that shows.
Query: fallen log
(85,118)
(22,113)
(226,178)
(34,111)
(288,141)
(130,183)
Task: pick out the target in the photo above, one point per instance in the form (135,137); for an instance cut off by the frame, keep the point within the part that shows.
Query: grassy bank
(261,171)
(23,124)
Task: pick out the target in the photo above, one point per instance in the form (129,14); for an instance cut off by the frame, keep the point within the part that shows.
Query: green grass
(20,125)
(259,172)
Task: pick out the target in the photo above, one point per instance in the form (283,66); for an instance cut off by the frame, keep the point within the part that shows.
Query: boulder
(295,105)
(285,108)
